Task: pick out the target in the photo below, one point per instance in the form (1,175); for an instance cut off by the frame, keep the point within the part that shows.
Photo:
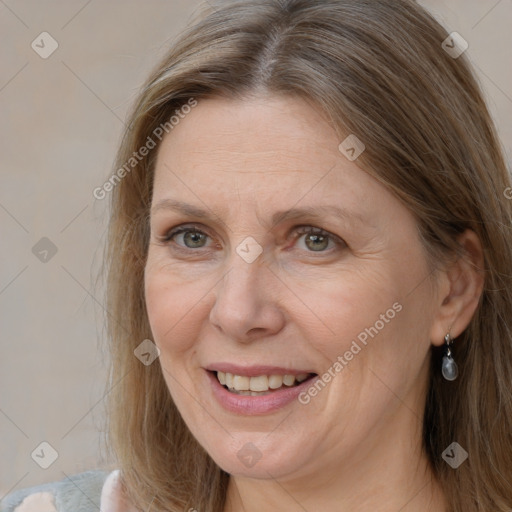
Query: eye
(316,239)
(192,237)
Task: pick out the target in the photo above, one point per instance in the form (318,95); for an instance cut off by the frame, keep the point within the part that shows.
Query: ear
(459,290)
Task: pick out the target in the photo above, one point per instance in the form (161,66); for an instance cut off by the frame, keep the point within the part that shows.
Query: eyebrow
(312,212)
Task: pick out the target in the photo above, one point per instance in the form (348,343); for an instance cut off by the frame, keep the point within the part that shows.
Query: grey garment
(76,493)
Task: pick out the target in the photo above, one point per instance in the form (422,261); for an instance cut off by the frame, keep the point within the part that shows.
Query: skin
(356,446)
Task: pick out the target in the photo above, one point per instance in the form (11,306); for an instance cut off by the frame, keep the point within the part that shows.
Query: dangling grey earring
(449,366)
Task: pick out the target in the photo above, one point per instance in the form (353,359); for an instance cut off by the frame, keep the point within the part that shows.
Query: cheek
(377,321)
(173,309)
(341,308)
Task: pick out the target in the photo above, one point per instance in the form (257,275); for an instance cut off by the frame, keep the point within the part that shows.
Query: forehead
(262,148)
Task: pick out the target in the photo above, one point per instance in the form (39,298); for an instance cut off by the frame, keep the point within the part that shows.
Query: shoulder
(89,491)
(112,495)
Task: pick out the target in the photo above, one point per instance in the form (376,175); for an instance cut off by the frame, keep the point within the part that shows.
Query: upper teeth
(260,383)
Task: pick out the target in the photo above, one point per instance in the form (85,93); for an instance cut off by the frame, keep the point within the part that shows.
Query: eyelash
(300,231)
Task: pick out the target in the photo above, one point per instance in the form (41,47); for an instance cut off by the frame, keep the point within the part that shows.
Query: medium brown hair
(378,70)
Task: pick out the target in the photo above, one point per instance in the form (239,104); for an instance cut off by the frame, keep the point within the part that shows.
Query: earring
(449,366)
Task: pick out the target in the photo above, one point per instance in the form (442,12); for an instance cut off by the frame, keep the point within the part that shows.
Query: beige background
(61,121)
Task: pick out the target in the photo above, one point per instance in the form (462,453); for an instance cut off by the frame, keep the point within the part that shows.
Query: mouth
(257,389)
(259,385)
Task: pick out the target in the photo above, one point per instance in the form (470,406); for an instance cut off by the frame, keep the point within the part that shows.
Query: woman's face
(338,288)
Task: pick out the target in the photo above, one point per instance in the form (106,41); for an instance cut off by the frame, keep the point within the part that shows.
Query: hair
(377,70)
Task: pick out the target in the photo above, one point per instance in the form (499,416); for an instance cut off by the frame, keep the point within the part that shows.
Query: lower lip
(253,405)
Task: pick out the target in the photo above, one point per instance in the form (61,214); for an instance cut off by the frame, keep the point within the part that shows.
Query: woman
(309,286)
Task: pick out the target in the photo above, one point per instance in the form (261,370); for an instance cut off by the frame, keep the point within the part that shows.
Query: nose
(247,305)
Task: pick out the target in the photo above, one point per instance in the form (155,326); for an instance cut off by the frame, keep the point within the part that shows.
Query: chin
(252,455)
